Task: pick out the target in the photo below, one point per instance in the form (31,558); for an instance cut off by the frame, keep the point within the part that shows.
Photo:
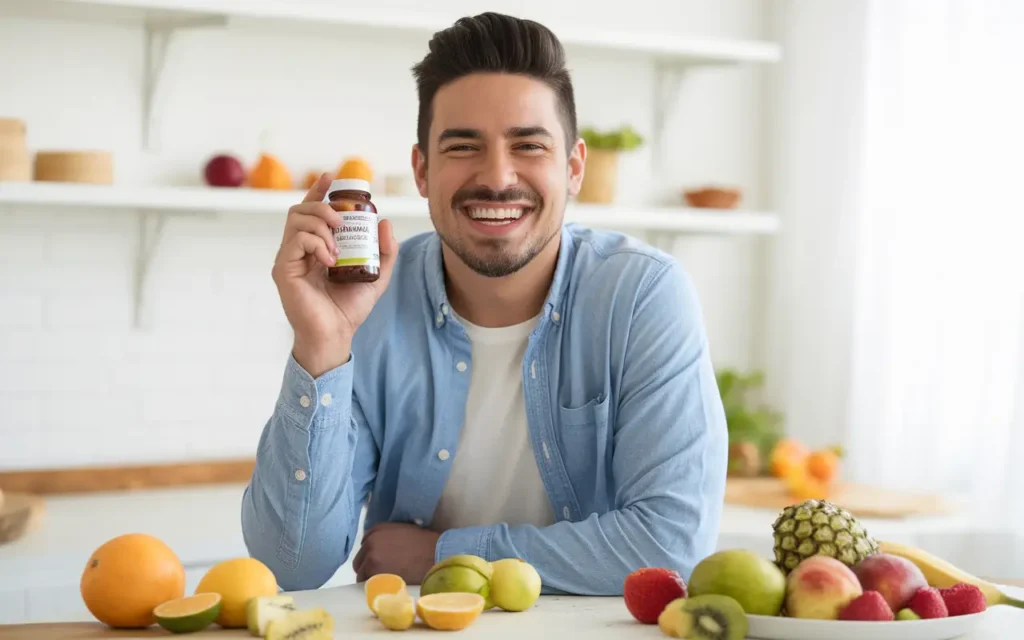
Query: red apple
(819,588)
(896,578)
(224,171)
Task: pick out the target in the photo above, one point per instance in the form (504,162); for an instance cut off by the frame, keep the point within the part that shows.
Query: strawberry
(648,590)
(927,602)
(963,599)
(870,605)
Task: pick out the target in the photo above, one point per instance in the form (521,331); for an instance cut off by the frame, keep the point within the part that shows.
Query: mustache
(514,194)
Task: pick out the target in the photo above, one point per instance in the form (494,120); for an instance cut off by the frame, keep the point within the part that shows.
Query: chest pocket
(586,450)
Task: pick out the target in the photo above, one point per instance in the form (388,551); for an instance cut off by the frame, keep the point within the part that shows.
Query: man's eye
(460,147)
(530,146)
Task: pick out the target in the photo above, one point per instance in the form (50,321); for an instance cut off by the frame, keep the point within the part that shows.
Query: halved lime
(188,614)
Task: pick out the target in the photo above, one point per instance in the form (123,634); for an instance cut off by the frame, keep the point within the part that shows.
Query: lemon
(237,580)
(450,611)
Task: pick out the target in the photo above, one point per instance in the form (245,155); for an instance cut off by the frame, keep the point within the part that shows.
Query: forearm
(594,556)
(301,508)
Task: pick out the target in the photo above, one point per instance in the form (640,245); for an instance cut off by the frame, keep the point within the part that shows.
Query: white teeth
(495,213)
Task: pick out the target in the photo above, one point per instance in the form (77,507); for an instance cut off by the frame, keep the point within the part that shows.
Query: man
(511,386)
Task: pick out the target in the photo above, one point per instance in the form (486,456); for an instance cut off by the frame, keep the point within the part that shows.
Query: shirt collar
(438,296)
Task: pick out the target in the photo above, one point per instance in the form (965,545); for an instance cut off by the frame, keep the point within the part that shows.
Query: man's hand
(323,315)
(396,547)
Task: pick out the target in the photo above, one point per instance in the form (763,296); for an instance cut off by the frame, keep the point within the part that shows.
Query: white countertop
(202,524)
(563,617)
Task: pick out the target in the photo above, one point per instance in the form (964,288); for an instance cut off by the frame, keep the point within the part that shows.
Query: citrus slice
(397,611)
(450,611)
(382,584)
(188,614)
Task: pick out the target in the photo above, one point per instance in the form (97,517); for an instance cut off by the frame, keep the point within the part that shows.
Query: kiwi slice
(712,617)
(307,624)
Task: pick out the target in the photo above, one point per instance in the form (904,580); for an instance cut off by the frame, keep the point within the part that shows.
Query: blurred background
(836,176)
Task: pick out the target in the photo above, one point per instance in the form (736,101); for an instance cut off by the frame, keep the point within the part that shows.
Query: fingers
(320,210)
(319,189)
(358,563)
(304,243)
(388,255)
(316,226)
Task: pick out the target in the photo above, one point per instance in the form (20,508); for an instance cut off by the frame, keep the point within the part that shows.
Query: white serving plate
(780,628)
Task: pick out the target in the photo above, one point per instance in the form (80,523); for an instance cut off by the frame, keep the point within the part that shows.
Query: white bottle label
(357,240)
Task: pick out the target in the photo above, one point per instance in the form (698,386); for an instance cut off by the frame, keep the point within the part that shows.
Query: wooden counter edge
(119,478)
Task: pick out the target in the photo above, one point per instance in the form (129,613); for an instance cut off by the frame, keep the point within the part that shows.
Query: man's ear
(419,169)
(577,163)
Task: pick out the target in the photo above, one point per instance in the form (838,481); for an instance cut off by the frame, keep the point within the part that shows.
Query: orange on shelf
(823,464)
(355,167)
(270,173)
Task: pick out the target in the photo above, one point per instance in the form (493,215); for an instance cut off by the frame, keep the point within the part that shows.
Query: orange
(383,584)
(803,486)
(823,465)
(270,173)
(237,580)
(311,178)
(355,168)
(786,455)
(450,611)
(127,577)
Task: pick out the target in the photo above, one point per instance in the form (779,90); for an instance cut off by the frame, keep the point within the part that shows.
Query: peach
(896,578)
(819,588)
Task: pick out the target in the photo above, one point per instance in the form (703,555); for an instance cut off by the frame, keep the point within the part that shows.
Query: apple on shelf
(224,170)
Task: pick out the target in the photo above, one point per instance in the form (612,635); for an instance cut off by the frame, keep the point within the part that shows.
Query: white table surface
(562,617)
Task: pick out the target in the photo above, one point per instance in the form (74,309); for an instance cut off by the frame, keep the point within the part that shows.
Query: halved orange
(449,611)
(382,584)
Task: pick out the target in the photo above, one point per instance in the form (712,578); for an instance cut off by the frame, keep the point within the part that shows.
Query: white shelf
(209,200)
(665,46)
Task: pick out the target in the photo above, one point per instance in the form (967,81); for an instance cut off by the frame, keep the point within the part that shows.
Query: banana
(941,574)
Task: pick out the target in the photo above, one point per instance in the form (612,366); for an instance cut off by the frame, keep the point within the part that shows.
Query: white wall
(80,385)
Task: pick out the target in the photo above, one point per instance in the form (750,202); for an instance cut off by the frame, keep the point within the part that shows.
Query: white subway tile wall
(80,384)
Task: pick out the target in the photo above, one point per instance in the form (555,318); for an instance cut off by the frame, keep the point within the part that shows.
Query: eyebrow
(511,132)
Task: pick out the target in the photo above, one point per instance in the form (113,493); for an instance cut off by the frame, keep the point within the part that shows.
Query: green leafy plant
(624,138)
(748,419)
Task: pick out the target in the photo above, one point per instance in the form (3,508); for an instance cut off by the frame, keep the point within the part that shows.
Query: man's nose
(498,171)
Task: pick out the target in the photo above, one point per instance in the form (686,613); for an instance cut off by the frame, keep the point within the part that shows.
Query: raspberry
(963,599)
(648,590)
(927,602)
(868,606)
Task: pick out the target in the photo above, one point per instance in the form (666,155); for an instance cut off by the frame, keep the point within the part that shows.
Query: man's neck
(505,301)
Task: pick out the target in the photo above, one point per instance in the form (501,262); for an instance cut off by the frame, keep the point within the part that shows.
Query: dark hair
(494,43)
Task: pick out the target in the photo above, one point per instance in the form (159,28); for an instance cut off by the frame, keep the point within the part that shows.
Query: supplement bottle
(358,257)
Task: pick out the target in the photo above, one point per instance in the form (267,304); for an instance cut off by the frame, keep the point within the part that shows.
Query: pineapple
(818,527)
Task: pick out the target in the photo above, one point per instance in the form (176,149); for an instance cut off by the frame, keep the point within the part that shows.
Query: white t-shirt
(494,476)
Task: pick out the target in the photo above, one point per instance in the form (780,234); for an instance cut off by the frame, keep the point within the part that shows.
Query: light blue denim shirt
(624,414)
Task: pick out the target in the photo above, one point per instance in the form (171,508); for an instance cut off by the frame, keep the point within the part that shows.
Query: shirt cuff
(474,541)
(320,403)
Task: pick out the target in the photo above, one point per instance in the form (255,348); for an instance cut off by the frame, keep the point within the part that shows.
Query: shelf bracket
(663,240)
(150,227)
(668,81)
(157,40)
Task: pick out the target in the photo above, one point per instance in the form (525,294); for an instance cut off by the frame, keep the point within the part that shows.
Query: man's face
(497,172)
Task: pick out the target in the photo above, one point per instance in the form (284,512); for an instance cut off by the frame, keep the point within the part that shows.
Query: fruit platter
(829,579)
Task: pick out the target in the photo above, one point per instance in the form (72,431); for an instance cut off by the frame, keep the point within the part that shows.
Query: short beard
(502,264)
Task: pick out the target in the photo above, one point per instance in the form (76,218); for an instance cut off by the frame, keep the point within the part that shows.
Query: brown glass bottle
(358,257)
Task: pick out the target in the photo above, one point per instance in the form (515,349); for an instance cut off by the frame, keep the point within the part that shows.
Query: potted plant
(754,429)
(602,169)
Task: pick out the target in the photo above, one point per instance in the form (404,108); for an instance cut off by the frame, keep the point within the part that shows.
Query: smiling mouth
(496,215)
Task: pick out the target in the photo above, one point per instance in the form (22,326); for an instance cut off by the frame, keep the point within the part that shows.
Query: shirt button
(418,522)
(326,400)
(443,454)
(555,316)
(461,366)
(304,401)
(300,475)
(565,512)
(439,319)
(444,309)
